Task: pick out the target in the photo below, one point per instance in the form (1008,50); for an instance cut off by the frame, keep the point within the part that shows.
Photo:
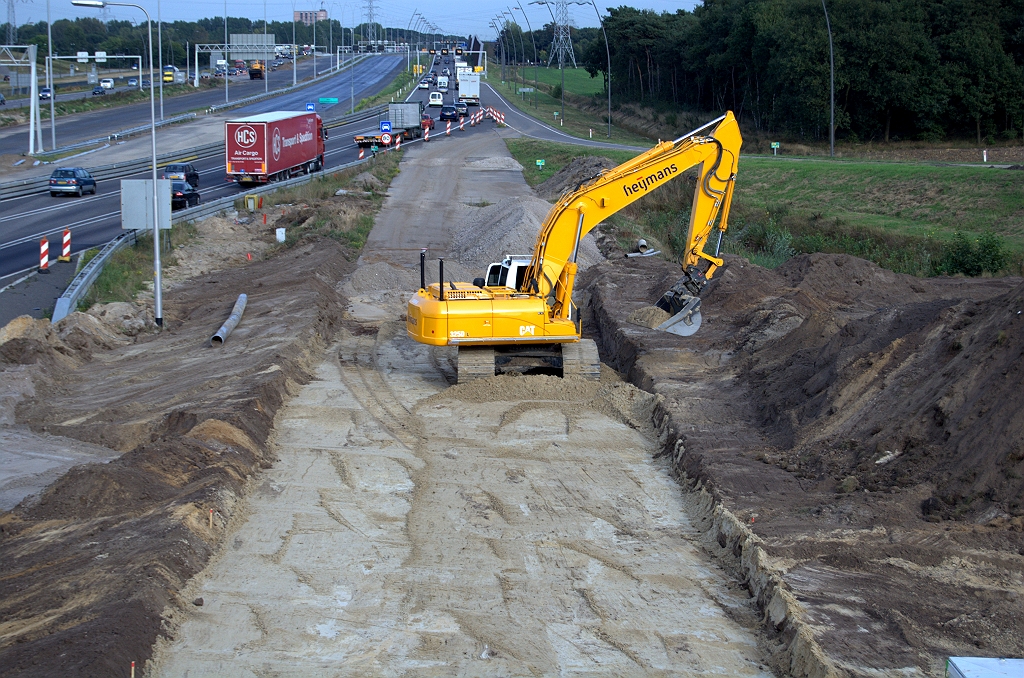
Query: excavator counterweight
(525,319)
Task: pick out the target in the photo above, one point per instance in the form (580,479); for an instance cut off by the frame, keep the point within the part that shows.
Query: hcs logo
(277,144)
(245,136)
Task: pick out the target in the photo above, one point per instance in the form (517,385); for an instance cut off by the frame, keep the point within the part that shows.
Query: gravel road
(511,526)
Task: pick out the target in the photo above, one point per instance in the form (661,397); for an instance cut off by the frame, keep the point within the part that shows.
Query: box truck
(405,118)
(469,89)
(273,146)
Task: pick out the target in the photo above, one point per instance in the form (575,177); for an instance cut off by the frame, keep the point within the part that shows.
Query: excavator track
(581,359)
(475,362)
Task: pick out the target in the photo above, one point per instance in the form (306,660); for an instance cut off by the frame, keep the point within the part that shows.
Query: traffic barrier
(362,153)
(426,134)
(398,142)
(65,252)
(462,124)
(44,256)
(448,129)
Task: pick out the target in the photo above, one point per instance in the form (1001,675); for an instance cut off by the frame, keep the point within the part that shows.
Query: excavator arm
(713,148)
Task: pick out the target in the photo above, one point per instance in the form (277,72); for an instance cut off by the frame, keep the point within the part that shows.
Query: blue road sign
(385,127)
(311,107)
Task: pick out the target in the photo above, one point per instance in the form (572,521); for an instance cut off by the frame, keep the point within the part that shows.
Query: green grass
(911,218)
(576,122)
(577,80)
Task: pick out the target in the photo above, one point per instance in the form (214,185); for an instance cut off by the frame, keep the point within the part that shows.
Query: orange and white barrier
(44,256)
(398,142)
(462,124)
(65,252)
(426,134)
(362,153)
(448,129)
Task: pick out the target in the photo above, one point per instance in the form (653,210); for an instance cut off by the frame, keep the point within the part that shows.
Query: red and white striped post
(44,256)
(362,153)
(426,134)
(448,129)
(462,124)
(65,252)
(398,142)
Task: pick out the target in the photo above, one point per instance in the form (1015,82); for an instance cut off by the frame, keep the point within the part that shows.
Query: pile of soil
(91,564)
(866,427)
(569,178)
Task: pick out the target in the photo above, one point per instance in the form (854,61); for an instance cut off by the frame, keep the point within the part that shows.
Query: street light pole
(608,52)
(535,67)
(227,56)
(266,71)
(832,88)
(158,302)
(51,84)
(160,46)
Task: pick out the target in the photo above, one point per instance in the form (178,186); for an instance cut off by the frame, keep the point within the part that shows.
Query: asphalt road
(83,126)
(95,220)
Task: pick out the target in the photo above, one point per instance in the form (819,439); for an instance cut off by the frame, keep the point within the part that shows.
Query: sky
(460,17)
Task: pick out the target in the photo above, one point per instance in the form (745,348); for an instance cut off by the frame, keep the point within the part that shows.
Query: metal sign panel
(83,57)
(137,204)
(385,126)
(385,138)
(101,57)
(311,107)
(328,100)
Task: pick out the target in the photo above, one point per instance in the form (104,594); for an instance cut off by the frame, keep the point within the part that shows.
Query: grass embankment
(910,218)
(130,270)
(543,103)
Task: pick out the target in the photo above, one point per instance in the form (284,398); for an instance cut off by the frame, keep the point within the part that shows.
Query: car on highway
(45,93)
(461,108)
(448,112)
(427,122)
(436,99)
(182,171)
(71,180)
(98,89)
(204,75)
(445,71)
(133,82)
(424,84)
(107,83)
(183,195)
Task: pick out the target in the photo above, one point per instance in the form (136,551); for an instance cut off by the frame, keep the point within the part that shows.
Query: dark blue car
(71,180)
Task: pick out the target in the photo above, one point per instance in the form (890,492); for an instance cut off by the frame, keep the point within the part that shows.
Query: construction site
(825,480)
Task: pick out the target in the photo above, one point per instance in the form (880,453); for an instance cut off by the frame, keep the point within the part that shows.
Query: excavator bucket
(686,321)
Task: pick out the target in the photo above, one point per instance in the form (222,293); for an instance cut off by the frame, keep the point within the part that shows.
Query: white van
(107,83)
(442,84)
(436,99)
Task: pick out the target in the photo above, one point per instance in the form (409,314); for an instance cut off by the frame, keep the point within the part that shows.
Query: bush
(986,254)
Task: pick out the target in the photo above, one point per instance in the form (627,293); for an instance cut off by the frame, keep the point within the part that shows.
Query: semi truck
(469,89)
(405,118)
(273,146)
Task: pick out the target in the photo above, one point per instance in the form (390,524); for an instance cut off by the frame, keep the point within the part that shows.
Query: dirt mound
(508,227)
(866,426)
(572,175)
(192,423)
(648,316)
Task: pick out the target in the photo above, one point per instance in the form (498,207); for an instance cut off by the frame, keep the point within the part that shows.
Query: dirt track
(849,438)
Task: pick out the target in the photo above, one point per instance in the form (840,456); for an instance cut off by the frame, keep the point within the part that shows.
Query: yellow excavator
(526,321)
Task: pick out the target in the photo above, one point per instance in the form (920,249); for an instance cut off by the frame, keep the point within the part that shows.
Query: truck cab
(508,272)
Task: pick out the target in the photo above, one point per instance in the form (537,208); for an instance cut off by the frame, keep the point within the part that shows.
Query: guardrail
(68,301)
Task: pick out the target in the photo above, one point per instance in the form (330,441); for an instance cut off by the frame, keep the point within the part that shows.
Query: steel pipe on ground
(232,322)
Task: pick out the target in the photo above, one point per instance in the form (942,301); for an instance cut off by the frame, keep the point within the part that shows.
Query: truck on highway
(256,70)
(405,118)
(273,146)
(469,89)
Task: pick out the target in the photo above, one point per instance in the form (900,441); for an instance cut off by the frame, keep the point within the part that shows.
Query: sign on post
(83,57)
(328,100)
(311,107)
(540,164)
(137,204)
(775,148)
(101,57)
(525,90)
(385,126)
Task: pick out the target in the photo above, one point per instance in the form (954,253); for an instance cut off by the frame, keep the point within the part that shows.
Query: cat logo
(527,329)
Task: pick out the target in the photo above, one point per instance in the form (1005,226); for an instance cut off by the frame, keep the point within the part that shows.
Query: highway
(95,220)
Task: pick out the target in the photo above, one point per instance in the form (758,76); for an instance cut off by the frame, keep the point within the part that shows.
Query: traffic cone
(44,256)
(65,253)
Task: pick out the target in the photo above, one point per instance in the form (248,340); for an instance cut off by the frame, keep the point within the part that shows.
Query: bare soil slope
(847,415)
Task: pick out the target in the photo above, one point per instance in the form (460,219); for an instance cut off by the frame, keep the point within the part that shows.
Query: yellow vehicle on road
(530,323)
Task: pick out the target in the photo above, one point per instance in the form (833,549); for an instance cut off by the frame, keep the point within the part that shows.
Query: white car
(107,83)
(424,84)
(436,99)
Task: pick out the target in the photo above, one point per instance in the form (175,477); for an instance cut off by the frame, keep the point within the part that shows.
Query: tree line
(904,69)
